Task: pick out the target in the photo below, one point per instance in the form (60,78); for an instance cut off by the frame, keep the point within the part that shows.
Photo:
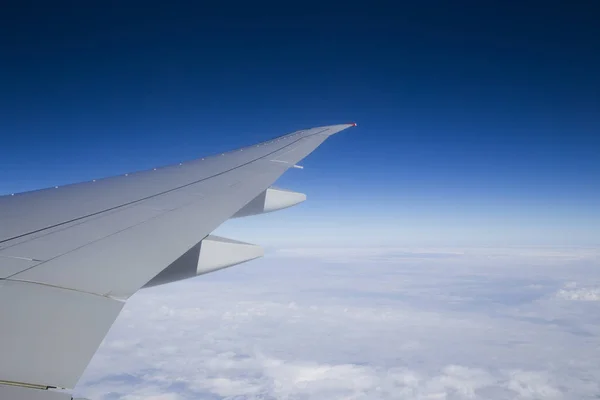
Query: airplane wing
(71,256)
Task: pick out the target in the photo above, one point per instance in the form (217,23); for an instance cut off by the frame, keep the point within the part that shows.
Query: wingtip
(341,127)
(333,129)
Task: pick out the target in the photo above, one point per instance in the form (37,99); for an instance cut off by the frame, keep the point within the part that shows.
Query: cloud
(168,396)
(571,292)
(369,254)
(532,385)
(470,324)
(482,257)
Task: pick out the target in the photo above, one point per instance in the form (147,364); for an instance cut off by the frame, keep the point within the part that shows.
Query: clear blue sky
(478,123)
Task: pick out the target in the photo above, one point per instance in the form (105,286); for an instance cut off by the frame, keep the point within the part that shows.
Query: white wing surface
(71,256)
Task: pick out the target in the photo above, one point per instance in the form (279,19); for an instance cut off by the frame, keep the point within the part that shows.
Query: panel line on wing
(61,287)
(157,194)
(88,243)
(20,258)
(149,218)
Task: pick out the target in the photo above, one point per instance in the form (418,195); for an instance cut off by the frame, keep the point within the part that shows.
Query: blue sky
(477,125)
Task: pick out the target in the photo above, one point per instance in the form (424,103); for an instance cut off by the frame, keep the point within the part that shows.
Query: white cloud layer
(572,292)
(363,324)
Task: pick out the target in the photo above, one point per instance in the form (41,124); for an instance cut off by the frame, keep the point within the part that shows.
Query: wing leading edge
(71,256)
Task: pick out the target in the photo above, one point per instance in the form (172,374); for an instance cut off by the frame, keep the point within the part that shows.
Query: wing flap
(50,334)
